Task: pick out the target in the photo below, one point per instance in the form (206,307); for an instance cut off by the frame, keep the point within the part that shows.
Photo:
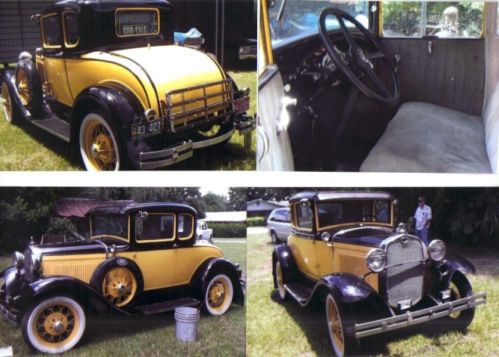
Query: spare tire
(29,85)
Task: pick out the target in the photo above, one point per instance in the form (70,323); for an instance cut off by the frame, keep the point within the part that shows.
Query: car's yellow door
(57,80)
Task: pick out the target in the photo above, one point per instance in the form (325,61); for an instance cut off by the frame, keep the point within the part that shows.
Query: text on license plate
(145,129)
(241,104)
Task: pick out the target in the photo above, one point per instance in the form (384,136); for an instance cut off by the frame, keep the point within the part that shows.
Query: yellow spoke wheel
(455,295)
(23,87)
(98,145)
(219,294)
(280,281)
(55,325)
(335,326)
(7,103)
(119,286)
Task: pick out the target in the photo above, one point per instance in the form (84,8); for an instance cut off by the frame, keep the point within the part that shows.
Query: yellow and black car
(139,258)
(345,252)
(110,80)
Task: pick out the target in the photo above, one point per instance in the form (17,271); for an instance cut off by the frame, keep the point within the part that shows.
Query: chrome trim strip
(416,317)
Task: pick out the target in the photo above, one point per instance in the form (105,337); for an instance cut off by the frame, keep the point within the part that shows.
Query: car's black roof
(126,208)
(104,4)
(341,195)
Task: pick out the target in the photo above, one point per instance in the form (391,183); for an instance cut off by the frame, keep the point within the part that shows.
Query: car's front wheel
(339,327)
(218,294)
(98,144)
(54,325)
(279,279)
(460,288)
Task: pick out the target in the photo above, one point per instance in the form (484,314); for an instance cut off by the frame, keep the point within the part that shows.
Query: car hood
(70,248)
(171,67)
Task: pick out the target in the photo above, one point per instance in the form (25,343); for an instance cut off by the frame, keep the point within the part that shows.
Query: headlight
(376,260)
(17,260)
(437,250)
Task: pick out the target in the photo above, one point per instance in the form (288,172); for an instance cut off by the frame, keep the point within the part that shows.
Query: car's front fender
(350,288)
(283,254)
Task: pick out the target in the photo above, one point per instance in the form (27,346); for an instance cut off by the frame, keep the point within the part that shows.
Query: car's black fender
(90,298)
(457,262)
(283,254)
(201,277)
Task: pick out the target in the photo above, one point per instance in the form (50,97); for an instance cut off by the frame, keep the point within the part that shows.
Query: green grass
(281,329)
(25,147)
(152,335)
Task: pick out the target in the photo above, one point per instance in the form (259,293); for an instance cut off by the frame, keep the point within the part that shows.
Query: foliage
(237,198)
(228,230)
(215,203)
(255,221)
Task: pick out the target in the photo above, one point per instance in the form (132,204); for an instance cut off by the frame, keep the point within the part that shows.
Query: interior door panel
(446,72)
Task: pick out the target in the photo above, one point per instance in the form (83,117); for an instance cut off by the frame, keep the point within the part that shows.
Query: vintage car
(110,80)
(279,225)
(345,253)
(389,86)
(139,258)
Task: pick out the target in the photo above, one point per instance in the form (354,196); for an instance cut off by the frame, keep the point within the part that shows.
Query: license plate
(146,129)
(241,104)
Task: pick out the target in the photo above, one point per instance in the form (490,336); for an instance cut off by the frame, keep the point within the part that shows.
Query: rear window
(71,27)
(304,216)
(52,33)
(137,22)
(185,226)
(442,19)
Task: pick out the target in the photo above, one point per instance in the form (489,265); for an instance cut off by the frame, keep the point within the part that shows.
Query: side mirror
(304,202)
(36,18)
(143,215)
(326,237)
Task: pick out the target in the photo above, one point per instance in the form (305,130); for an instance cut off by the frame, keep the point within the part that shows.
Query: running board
(165,306)
(54,126)
(299,292)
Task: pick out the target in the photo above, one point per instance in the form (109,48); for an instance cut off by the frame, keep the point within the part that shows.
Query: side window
(71,38)
(51,31)
(155,227)
(185,225)
(304,216)
(417,19)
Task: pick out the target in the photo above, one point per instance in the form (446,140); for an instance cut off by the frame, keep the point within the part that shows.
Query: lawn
(152,335)
(286,329)
(26,147)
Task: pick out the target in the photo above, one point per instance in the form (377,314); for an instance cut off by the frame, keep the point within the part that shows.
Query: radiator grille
(404,281)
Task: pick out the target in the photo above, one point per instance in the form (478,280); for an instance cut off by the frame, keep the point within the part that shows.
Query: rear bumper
(417,317)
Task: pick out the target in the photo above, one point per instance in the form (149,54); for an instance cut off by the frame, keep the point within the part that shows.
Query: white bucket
(186,326)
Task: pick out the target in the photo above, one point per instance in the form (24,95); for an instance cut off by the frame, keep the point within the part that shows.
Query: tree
(214,202)
(237,198)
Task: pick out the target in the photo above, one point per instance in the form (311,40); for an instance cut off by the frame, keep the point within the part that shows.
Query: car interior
(378,86)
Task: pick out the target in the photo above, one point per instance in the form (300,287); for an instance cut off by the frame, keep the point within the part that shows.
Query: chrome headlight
(17,260)
(437,250)
(376,260)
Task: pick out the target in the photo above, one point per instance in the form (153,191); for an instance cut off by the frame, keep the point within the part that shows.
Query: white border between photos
(243,179)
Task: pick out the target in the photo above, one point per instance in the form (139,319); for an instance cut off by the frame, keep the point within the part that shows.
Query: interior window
(71,25)
(155,227)
(115,226)
(139,22)
(52,33)
(185,226)
(304,216)
(416,19)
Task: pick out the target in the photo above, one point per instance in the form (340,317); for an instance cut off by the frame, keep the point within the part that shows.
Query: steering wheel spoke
(357,62)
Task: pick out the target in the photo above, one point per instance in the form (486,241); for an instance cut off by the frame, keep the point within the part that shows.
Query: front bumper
(166,157)
(417,317)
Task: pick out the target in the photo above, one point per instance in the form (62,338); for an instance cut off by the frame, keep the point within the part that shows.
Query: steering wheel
(356,63)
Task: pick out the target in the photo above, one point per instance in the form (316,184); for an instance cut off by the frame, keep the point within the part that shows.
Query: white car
(279,224)
(203,232)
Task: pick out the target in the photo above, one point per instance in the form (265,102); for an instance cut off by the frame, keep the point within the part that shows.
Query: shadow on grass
(312,321)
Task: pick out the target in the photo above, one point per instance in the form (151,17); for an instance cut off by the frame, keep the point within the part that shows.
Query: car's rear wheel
(339,327)
(54,325)
(460,288)
(98,145)
(279,279)
(119,286)
(218,294)
(29,85)
(7,106)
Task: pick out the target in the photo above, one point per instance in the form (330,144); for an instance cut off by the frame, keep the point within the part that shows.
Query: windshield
(343,212)
(300,18)
(110,226)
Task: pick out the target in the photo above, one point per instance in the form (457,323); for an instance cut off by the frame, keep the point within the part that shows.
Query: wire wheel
(23,87)
(6,103)
(98,145)
(279,278)
(119,286)
(219,294)
(335,326)
(55,325)
(455,295)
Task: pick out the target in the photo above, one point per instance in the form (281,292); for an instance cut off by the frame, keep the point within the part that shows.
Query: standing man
(423,220)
